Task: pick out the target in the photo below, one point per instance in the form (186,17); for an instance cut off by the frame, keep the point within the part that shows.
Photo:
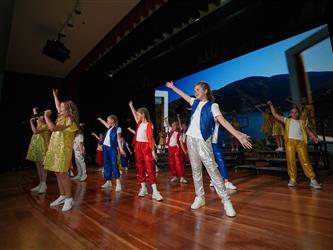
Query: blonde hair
(72,111)
(113,117)
(205,86)
(145,112)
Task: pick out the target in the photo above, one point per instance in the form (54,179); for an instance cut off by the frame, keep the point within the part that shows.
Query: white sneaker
(35,189)
(198,202)
(107,184)
(229,209)
(292,183)
(118,186)
(211,184)
(77,177)
(68,204)
(143,192)
(173,179)
(229,185)
(183,180)
(60,200)
(314,184)
(83,177)
(42,188)
(157,196)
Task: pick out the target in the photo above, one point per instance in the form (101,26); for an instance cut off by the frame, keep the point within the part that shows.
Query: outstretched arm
(178,91)
(103,122)
(313,137)
(50,123)
(243,138)
(133,112)
(278,117)
(97,137)
(56,100)
(131,130)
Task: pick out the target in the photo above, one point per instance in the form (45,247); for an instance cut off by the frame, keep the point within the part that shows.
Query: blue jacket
(206,118)
(113,137)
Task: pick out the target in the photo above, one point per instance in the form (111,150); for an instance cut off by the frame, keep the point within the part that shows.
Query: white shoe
(60,200)
(211,184)
(183,180)
(83,177)
(229,185)
(143,192)
(118,186)
(314,184)
(107,184)
(77,177)
(198,202)
(68,204)
(157,169)
(173,179)
(35,189)
(229,209)
(292,183)
(42,188)
(157,196)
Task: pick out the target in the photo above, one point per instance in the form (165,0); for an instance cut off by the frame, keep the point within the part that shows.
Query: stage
(269,214)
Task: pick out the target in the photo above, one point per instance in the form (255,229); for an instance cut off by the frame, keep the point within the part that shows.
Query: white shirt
(141,135)
(295,130)
(194,128)
(78,139)
(173,140)
(107,137)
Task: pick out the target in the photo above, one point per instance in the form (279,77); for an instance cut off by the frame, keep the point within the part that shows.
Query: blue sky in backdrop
(267,61)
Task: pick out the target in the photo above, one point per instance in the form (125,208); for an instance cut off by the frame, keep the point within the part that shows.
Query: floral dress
(39,143)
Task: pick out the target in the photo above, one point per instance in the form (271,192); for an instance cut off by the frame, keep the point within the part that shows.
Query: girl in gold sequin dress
(37,149)
(59,154)
(267,124)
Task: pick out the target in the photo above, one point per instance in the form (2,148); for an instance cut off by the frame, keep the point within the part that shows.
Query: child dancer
(175,154)
(266,127)
(217,144)
(59,153)
(183,137)
(37,149)
(99,150)
(111,142)
(277,131)
(296,140)
(79,153)
(199,142)
(124,159)
(144,149)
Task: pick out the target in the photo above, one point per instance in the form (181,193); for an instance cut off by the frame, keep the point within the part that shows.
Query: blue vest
(113,137)
(206,118)
(219,134)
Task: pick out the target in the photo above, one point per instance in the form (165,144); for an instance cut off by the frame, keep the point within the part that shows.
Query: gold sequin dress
(59,154)
(39,143)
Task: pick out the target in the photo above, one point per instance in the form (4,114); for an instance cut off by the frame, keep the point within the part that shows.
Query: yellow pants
(301,148)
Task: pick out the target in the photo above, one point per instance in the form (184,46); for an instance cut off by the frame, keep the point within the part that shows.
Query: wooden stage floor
(270,215)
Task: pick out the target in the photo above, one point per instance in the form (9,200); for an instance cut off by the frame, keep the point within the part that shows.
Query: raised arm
(133,112)
(131,130)
(96,136)
(56,100)
(103,122)
(278,117)
(178,91)
(32,125)
(53,127)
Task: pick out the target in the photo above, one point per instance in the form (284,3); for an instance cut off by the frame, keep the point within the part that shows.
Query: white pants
(80,164)
(201,151)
